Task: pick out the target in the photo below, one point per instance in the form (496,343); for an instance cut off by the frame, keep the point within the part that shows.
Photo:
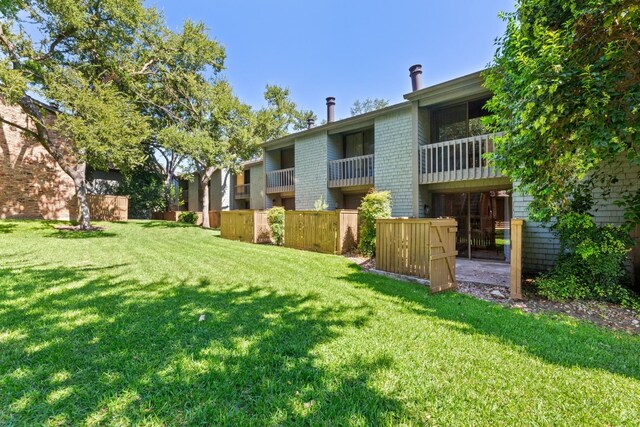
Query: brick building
(32,185)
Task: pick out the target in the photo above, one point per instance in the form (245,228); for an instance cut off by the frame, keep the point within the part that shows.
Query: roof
(460,87)
(348,122)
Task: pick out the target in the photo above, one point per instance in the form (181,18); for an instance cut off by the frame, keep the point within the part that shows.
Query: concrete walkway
(481,271)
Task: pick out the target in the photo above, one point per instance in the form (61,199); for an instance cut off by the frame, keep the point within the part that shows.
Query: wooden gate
(424,248)
(442,254)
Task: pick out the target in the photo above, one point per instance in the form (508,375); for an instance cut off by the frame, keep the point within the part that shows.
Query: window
(247,176)
(458,121)
(358,144)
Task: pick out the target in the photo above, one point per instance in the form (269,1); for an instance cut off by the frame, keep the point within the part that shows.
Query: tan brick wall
(32,185)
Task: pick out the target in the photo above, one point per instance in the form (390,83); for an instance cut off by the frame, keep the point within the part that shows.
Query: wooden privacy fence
(516,258)
(245,225)
(104,207)
(424,248)
(321,231)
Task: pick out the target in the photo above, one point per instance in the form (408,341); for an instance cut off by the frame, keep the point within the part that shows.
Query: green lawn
(103,329)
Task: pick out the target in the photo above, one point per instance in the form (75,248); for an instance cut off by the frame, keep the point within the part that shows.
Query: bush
(592,263)
(375,205)
(275,218)
(188,217)
(146,191)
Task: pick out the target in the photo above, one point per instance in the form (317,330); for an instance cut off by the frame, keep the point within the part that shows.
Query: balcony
(351,171)
(243,191)
(457,160)
(281,181)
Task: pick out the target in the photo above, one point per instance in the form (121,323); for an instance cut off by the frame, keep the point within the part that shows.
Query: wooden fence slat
(516,258)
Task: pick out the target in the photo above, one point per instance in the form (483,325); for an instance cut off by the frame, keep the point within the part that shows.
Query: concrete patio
(482,271)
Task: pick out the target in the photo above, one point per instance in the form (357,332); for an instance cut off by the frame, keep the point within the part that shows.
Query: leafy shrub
(275,218)
(375,205)
(146,190)
(188,217)
(592,263)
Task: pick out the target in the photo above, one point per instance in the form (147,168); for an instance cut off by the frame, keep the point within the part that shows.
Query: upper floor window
(458,121)
(358,144)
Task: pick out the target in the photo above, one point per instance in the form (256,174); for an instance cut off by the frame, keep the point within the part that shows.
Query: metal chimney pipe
(415,71)
(310,123)
(331,107)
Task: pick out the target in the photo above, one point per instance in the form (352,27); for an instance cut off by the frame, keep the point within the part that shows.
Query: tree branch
(22,128)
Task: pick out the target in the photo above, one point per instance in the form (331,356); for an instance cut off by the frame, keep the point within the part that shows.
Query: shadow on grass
(7,228)
(74,234)
(166,224)
(83,346)
(551,339)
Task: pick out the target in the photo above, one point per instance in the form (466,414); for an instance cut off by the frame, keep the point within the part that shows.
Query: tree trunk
(80,182)
(168,182)
(205,180)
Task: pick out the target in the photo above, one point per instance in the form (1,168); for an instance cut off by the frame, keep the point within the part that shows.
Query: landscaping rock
(497,294)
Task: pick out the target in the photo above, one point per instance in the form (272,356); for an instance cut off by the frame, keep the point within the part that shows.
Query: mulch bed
(608,315)
(603,314)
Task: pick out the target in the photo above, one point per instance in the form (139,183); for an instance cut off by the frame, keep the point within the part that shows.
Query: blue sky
(346,49)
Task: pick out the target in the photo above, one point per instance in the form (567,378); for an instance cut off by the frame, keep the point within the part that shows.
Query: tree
(219,133)
(69,53)
(361,107)
(566,84)
(175,68)
(281,115)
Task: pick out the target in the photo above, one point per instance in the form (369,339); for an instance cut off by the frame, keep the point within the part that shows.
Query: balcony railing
(457,160)
(351,171)
(243,191)
(281,181)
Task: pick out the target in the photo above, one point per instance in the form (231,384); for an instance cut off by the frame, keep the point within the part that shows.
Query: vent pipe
(331,109)
(415,71)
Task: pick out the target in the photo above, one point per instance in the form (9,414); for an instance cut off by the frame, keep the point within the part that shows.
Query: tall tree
(176,66)
(219,134)
(361,107)
(566,84)
(69,53)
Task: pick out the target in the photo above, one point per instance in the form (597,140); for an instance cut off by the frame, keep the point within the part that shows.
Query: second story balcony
(243,191)
(281,180)
(457,160)
(351,171)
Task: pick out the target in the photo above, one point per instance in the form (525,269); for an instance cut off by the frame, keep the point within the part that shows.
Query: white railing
(456,160)
(351,171)
(243,191)
(281,180)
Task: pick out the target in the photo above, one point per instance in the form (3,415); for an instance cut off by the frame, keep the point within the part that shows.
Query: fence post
(516,258)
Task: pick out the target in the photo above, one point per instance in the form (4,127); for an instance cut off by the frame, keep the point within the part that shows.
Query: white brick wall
(311,170)
(393,157)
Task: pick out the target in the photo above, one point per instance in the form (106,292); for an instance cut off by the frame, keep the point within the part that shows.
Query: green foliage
(146,191)
(275,218)
(188,217)
(567,96)
(375,205)
(320,204)
(592,262)
(361,107)
(281,115)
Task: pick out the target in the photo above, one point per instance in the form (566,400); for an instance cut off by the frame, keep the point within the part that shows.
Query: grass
(103,329)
